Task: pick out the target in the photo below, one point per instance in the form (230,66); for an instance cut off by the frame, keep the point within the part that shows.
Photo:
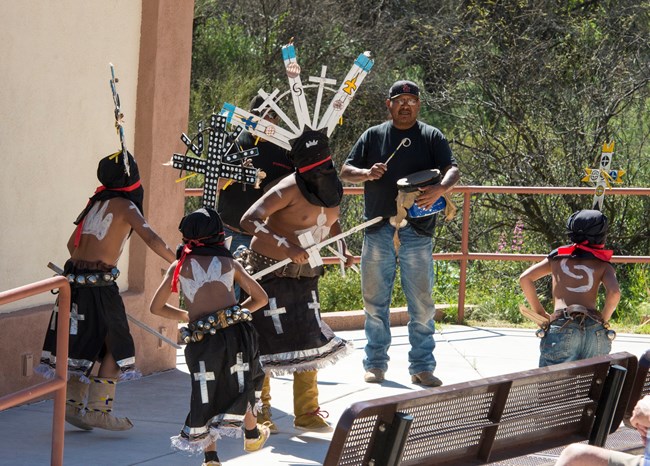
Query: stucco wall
(58,123)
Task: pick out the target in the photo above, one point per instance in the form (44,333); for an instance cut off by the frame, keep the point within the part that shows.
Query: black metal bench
(641,386)
(489,419)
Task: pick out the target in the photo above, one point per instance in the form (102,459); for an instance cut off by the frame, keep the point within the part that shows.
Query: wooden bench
(490,419)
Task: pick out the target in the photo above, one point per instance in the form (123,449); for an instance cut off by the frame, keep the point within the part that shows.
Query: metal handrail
(464,255)
(57,385)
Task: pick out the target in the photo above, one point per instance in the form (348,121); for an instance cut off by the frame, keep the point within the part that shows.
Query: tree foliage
(527,91)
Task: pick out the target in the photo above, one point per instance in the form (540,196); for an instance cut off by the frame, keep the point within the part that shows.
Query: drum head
(418,179)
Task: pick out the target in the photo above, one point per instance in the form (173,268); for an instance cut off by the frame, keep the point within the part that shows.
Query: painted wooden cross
(603,176)
(219,159)
(282,135)
(119,119)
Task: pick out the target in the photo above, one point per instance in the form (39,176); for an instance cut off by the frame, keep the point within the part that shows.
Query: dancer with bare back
(293,339)
(99,330)
(222,352)
(576,329)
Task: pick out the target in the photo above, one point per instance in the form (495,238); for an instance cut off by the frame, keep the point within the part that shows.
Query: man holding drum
(417,156)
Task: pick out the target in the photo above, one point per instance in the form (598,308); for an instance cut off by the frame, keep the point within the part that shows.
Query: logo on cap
(311,143)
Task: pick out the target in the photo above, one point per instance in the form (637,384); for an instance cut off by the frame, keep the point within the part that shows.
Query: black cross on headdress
(219,160)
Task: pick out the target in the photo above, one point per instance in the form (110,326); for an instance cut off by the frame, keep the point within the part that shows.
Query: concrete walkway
(158,404)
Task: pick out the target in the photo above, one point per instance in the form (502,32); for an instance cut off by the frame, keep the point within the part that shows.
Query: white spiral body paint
(589,275)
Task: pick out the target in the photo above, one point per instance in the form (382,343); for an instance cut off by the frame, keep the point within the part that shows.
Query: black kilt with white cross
(226,378)
(97,313)
(292,336)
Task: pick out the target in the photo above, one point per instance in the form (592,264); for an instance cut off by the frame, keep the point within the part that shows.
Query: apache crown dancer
(99,330)
(576,330)
(293,339)
(222,351)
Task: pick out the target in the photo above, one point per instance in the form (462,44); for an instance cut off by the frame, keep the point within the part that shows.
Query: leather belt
(292,270)
(576,311)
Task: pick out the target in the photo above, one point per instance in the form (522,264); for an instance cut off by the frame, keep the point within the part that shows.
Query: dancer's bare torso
(280,216)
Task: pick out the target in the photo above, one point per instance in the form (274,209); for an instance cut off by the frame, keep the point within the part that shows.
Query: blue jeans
(378,270)
(238,239)
(570,340)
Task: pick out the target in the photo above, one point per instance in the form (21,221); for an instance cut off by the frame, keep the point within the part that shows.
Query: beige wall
(57,123)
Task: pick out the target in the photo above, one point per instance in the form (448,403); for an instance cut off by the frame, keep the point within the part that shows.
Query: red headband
(306,168)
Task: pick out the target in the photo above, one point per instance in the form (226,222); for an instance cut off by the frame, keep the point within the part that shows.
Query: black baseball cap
(403,87)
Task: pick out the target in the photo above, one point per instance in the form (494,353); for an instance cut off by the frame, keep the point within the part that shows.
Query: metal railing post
(58,384)
(464,251)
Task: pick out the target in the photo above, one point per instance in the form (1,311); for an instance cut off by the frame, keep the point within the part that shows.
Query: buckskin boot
(100,406)
(76,395)
(308,415)
(264,415)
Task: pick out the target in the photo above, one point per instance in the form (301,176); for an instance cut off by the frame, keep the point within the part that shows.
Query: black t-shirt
(428,149)
(238,197)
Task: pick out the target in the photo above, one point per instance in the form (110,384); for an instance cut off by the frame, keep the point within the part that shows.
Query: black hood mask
(116,183)
(316,175)
(203,235)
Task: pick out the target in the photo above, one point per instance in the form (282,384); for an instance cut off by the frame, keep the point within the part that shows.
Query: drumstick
(404,142)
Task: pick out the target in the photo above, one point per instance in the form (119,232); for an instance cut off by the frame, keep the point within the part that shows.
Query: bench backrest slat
(473,422)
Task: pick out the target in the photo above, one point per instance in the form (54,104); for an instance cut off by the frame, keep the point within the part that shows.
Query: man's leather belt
(211,323)
(291,270)
(576,311)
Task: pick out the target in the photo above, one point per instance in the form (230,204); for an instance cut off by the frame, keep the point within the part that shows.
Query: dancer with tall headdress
(99,330)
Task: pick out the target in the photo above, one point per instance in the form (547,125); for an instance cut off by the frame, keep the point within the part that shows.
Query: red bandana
(187,249)
(598,250)
(133,187)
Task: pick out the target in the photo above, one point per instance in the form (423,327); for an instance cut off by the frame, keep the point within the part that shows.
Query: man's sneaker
(264,417)
(426,378)
(254,444)
(374,376)
(212,463)
(313,422)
